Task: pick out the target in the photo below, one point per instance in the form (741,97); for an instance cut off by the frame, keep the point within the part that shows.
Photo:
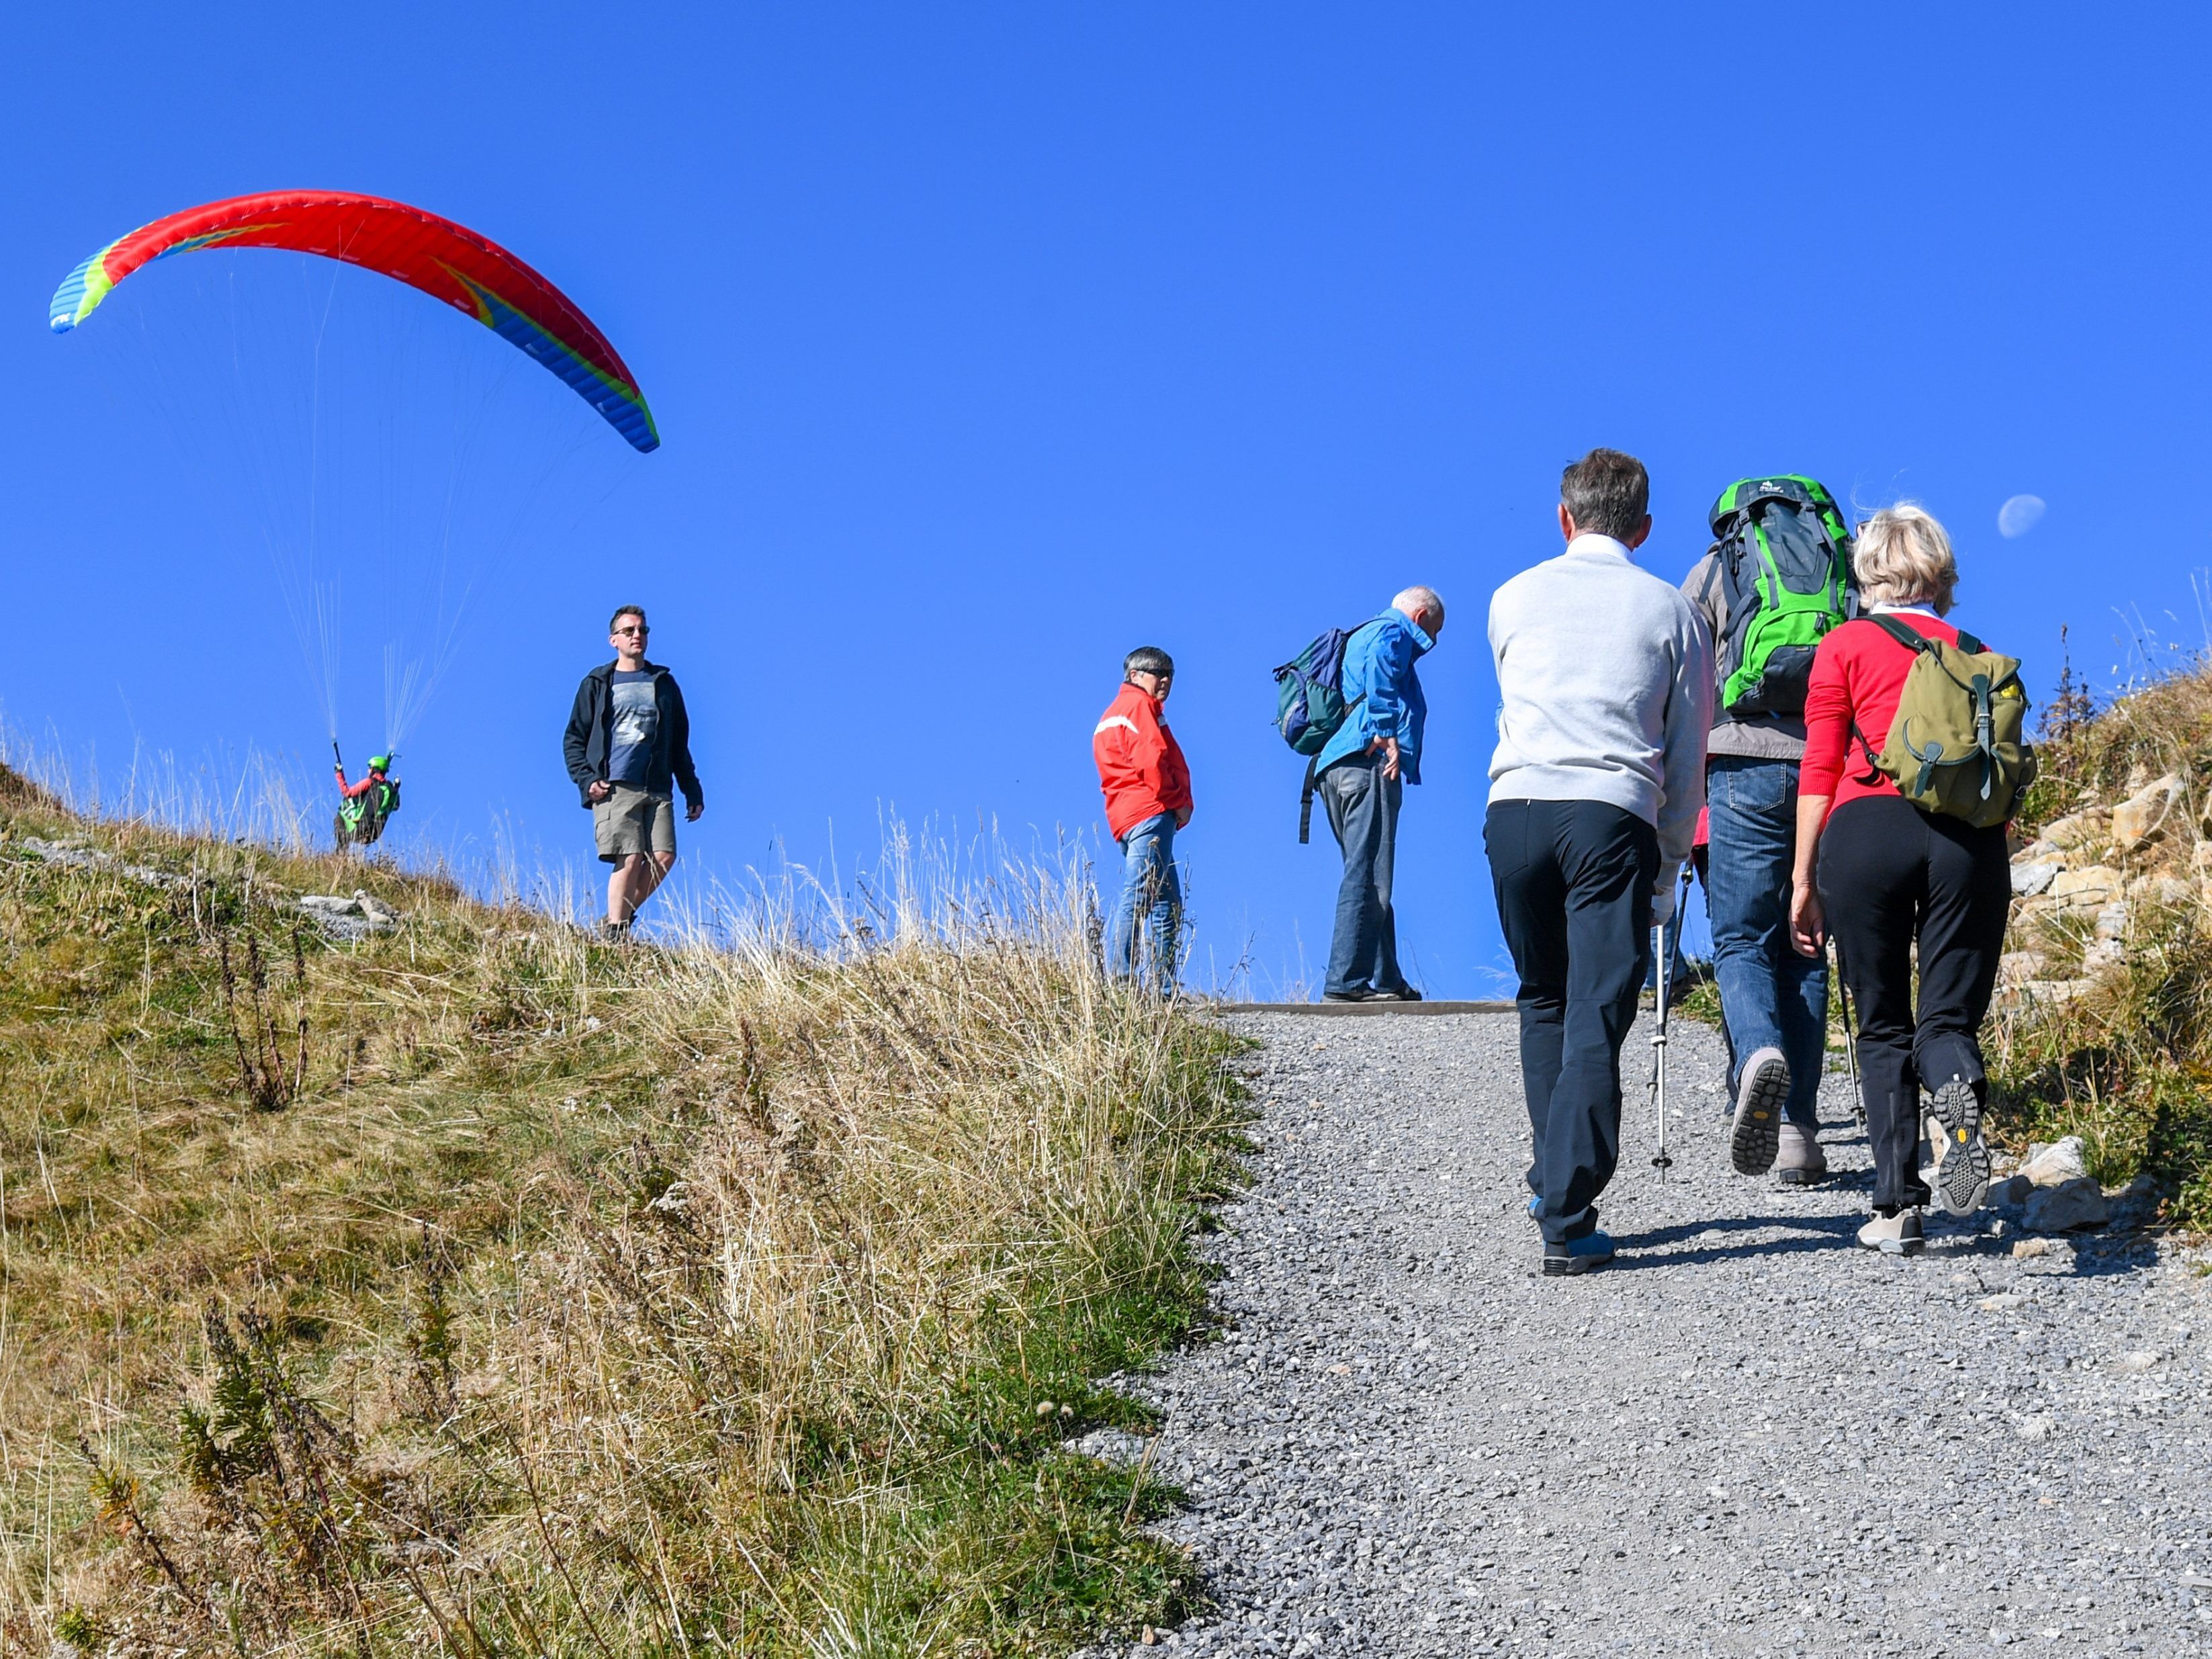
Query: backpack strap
(1305,804)
(1911,638)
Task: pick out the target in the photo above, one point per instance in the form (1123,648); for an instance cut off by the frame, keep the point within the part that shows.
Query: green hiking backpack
(1955,746)
(1785,566)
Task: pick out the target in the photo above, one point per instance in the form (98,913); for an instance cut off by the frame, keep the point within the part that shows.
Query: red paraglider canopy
(447,261)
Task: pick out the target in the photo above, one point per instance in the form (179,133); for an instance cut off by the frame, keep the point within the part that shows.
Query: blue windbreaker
(1378,665)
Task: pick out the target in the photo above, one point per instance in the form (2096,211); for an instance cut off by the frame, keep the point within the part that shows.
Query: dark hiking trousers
(1892,876)
(1574,882)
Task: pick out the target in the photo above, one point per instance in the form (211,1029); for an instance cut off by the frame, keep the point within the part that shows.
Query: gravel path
(1748,1437)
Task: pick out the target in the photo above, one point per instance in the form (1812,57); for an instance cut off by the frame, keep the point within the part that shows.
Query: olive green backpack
(1956,745)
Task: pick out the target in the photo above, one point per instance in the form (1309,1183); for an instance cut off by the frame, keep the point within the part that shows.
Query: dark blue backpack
(1309,706)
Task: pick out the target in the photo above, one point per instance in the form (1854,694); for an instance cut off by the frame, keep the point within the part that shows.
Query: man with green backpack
(1776,580)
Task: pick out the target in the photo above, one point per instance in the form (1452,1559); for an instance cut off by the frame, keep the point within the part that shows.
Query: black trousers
(1573,879)
(1893,876)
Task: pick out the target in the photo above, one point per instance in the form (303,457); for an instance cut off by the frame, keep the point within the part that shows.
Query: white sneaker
(1893,1235)
(1798,1159)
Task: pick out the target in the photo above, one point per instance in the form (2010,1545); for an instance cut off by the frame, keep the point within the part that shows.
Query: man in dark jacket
(628,744)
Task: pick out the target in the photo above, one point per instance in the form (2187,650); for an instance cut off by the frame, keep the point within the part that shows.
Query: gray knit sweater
(1604,676)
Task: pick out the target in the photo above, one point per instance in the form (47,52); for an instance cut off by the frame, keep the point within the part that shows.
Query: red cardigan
(1141,766)
(1859,677)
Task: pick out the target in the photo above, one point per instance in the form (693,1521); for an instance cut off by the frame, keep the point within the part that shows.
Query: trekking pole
(1662,1162)
(1851,1034)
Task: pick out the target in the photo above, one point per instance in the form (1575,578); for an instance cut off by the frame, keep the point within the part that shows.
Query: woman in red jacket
(1892,876)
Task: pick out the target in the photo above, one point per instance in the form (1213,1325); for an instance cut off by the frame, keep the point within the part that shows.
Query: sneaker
(1893,1235)
(612,930)
(1962,1163)
(1798,1159)
(1356,994)
(1578,1255)
(1403,994)
(1754,1132)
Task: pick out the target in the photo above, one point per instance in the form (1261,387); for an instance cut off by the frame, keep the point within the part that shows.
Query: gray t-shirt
(637,723)
(1763,737)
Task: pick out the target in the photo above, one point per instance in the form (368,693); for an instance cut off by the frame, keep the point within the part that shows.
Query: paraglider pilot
(359,820)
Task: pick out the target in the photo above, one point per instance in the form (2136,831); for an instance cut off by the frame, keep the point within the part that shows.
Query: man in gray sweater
(1605,678)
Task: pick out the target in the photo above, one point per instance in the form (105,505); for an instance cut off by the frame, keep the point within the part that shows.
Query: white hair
(1414,600)
(1904,557)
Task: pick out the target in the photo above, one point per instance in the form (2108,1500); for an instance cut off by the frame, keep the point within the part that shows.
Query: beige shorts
(630,822)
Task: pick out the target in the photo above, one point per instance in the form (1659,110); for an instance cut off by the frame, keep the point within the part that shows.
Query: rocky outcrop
(2084,890)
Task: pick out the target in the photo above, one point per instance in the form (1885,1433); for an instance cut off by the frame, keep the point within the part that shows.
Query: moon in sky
(2018,516)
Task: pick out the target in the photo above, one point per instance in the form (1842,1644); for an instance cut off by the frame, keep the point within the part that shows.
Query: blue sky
(989,341)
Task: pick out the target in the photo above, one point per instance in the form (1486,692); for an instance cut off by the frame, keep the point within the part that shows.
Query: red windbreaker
(1141,770)
(1859,680)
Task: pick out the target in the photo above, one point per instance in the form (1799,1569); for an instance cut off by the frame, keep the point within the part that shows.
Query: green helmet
(379,762)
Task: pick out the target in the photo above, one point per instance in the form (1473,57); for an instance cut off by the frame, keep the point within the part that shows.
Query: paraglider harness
(361,813)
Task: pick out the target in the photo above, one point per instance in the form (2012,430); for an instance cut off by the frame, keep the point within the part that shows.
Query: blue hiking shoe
(1578,1255)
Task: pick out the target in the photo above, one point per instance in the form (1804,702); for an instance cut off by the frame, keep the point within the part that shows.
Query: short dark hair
(1148,659)
(1608,492)
(638,611)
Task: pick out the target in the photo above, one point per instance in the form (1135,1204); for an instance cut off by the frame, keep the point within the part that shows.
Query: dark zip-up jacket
(587,742)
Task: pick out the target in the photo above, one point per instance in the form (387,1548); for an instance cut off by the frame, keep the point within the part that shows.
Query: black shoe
(1403,994)
(1357,993)
(1578,1255)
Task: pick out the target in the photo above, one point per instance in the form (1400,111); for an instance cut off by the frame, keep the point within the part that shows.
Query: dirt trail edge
(1748,1436)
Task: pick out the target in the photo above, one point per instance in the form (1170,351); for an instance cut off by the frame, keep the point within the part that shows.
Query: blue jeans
(1771,997)
(1363,811)
(1151,893)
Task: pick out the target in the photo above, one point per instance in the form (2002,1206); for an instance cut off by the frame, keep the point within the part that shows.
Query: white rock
(2043,996)
(330,904)
(2032,876)
(2145,816)
(2077,1203)
(2113,921)
(2054,1164)
(2032,1428)
(2087,890)
(2077,828)
(2137,1362)
(375,907)
(1116,1446)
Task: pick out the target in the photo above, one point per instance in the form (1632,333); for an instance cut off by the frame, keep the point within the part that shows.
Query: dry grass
(2128,1065)
(584,1300)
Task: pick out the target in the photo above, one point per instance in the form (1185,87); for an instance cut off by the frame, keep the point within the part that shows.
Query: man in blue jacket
(628,746)
(1360,776)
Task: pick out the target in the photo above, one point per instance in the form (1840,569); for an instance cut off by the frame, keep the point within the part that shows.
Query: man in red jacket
(1147,789)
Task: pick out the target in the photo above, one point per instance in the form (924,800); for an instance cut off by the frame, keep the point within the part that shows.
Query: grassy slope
(2129,1065)
(583,1300)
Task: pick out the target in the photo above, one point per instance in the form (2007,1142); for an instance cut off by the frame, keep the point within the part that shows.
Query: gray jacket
(1763,737)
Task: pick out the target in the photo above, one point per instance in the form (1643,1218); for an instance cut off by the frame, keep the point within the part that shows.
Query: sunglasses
(640,631)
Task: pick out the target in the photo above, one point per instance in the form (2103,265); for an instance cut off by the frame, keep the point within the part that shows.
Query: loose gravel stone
(1747,1437)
